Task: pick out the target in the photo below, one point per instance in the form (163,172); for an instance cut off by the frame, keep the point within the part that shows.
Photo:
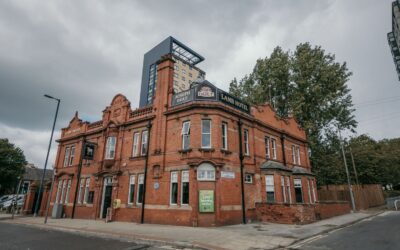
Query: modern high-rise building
(185,70)
(394,35)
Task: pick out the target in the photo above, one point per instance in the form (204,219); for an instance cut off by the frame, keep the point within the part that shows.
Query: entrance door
(107,200)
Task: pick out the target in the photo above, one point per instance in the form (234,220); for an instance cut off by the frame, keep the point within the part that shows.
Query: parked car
(19,199)
(4,198)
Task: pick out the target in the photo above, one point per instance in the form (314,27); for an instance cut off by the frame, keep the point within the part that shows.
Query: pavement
(249,236)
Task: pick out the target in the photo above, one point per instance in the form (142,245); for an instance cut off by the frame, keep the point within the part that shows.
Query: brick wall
(286,213)
(328,209)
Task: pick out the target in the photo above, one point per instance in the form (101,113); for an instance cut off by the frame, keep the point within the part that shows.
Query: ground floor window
(131,193)
(298,191)
(185,188)
(270,188)
(86,195)
(283,189)
(309,191)
(80,192)
(174,188)
(68,191)
(289,191)
(58,191)
(140,188)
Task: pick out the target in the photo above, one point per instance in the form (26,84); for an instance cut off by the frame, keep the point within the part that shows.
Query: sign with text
(205,91)
(233,101)
(228,174)
(182,97)
(206,201)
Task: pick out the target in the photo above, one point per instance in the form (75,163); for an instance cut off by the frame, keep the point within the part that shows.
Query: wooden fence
(365,196)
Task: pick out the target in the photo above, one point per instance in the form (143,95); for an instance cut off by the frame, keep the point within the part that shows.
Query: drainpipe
(145,171)
(78,177)
(241,157)
(283,149)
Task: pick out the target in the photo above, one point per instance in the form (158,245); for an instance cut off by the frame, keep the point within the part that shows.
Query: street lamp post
(47,156)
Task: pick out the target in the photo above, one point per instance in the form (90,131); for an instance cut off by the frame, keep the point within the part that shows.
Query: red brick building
(199,158)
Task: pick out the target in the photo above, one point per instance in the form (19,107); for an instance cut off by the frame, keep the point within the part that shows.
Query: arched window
(206,172)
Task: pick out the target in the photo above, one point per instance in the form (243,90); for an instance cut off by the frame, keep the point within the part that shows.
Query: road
(30,238)
(381,232)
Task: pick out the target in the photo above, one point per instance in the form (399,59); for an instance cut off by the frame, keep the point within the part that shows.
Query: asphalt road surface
(30,238)
(379,233)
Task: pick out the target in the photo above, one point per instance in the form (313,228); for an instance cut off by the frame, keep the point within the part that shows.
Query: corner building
(196,158)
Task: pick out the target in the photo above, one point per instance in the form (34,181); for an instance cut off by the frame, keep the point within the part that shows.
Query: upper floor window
(206,133)
(295,154)
(66,157)
(224,135)
(110,147)
(273,144)
(144,142)
(246,141)
(185,135)
(206,172)
(267,150)
(71,156)
(135,150)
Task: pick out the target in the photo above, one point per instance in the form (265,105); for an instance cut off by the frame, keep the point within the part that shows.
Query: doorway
(107,194)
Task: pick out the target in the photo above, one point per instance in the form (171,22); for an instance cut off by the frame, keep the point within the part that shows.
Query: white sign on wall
(228,174)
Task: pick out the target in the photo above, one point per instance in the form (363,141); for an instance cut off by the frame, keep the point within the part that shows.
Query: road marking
(306,241)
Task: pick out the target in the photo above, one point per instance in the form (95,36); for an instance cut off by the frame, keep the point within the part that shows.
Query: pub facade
(200,157)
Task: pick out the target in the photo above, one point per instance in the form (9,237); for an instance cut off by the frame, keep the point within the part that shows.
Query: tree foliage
(310,85)
(12,165)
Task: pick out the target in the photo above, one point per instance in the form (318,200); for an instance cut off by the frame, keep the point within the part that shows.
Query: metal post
(354,166)
(348,175)
(47,157)
(145,171)
(15,203)
(49,197)
(241,157)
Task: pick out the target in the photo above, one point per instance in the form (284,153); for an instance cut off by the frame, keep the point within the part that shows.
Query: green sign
(206,201)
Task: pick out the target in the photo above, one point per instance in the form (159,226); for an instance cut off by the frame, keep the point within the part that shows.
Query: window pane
(206,126)
(185,193)
(206,141)
(174,193)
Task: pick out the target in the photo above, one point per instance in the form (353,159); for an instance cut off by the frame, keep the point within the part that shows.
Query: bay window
(270,188)
(206,133)
(185,135)
(283,189)
(298,191)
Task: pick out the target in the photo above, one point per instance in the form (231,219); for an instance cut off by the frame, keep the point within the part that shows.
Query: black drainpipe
(78,176)
(283,149)
(241,157)
(145,170)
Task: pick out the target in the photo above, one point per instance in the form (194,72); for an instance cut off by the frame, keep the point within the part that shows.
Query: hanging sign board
(206,201)
(88,153)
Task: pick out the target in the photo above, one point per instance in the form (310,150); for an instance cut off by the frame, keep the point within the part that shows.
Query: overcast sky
(85,52)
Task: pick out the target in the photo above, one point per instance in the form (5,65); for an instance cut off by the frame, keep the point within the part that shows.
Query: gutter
(145,171)
(241,157)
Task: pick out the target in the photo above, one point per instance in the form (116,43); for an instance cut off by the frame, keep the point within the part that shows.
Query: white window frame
(270,186)
(273,144)
(131,190)
(59,191)
(248,181)
(283,189)
(206,134)
(185,133)
(110,147)
(66,156)
(206,172)
(185,177)
(64,187)
(144,145)
(135,148)
(297,185)
(294,154)
(86,194)
(288,187)
(298,155)
(140,182)
(313,191)
(267,140)
(246,141)
(66,200)
(81,185)
(224,131)
(71,156)
(174,180)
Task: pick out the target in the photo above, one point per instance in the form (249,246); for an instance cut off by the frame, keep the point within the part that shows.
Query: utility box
(57,211)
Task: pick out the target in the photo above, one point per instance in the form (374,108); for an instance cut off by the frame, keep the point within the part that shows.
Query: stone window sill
(206,149)
(184,151)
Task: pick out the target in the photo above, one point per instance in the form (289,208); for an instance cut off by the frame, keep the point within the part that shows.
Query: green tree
(312,86)
(12,165)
